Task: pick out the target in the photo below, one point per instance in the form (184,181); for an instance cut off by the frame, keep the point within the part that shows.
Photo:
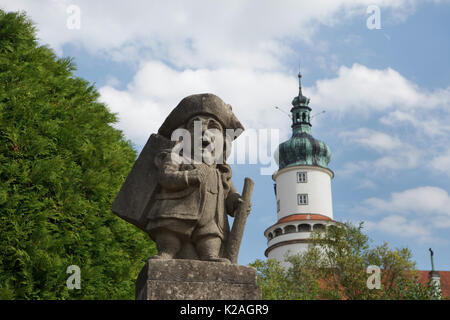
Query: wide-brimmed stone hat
(204,103)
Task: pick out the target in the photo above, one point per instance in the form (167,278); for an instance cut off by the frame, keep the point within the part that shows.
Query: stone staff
(240,218)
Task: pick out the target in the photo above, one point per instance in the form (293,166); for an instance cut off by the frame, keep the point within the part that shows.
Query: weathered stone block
(179,279)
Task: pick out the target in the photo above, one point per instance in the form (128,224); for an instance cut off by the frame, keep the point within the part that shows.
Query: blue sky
(386,93)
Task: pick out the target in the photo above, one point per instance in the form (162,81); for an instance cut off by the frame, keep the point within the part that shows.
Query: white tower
(302,186)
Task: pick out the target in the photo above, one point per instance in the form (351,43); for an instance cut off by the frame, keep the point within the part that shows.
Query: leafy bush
(334,267)
(61,166)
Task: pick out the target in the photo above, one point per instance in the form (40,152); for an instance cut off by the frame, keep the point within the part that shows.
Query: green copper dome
(302,148)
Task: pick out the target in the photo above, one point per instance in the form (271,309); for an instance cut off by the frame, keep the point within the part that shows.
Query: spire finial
(432,260)
(300,84)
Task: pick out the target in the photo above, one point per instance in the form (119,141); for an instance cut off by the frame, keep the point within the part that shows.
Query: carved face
(206,137)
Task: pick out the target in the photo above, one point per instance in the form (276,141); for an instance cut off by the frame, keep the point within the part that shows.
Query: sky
(380,70)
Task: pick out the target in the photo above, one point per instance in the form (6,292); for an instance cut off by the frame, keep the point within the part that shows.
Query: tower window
(304,228)
(278,205)
(290,229)
(278,232)
(302,199)
(319,227)
(302,177)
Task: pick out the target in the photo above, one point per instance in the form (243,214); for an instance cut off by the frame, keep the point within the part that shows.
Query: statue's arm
(232,198)
(171,178)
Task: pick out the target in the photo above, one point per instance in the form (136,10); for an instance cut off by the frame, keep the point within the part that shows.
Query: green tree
(61,166)
(334,267)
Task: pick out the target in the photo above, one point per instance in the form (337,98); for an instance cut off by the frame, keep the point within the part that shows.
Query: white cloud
(360,90)
(423,115)
(395,154)
(157,88)
(441,222)
(138,116)
(400,226)
(441,163)
(194,34)
(425,201)
(413,213)
(372,139)
(408,158)
(112,81)
(429,124)
(350,168)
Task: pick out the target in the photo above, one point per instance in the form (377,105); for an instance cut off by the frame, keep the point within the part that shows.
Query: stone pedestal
(179,279)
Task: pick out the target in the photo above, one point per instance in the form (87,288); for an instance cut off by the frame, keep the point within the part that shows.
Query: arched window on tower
(304,227)
(290,229)
(278,232)
(304,117)
(319,227)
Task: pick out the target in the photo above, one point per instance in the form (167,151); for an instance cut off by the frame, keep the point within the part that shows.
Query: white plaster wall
(318,188)
(280,252)
(289,236)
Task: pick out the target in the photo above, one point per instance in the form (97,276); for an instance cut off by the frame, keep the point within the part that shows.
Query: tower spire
(302,148)
(300,111)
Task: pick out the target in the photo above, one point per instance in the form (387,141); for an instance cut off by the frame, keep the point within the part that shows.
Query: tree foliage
(61,166)
(334,267)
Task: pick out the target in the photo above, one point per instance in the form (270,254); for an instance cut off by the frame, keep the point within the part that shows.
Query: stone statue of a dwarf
(180,191)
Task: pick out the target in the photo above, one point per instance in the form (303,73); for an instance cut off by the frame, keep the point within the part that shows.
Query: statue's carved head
(204,126)
(207,137)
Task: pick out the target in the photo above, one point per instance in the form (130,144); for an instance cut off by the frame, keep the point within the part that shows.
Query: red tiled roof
(445,281)
(299,217)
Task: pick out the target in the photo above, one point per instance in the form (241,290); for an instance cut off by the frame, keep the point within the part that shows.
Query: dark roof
(303,149)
